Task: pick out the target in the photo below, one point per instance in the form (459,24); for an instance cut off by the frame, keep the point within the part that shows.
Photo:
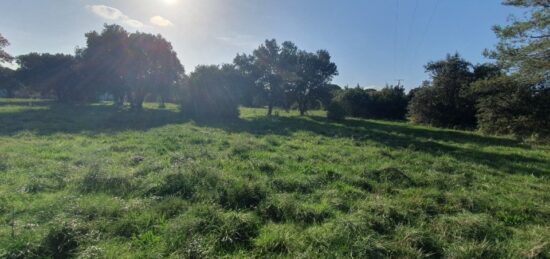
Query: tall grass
(94,181)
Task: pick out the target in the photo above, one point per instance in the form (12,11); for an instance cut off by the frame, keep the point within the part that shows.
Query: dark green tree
(52,75)
(524,45)
(8,82)
(4,56)
(153,68)
(271,72)
(519,103)
(105,60)
(209,92)
(444,103)
(507,105)
(246,73)
(313,72)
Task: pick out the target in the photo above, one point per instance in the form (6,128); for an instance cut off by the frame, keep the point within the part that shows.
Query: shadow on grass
(437,142)
(54,118)
(106,119)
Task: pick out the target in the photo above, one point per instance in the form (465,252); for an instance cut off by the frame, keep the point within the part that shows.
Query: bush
(388,103)
(336,111)
(210,93)
(444,103)
(506,106)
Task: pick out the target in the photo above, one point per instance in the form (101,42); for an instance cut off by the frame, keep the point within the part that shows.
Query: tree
(105,61)
(54,75)
(387,103)
(4,56)
(153,68)
(246,73)
(8,81)
(519,102)
(313,72)
(209,93)
(275,69)
(444,102)
(267,59)
(524,45)
(509,106)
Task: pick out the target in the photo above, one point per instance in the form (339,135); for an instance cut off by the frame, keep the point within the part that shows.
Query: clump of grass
(381,215)
(153,184)
(389,175)
(286,208)
(135,223)
(295,183)
(278,239)
(206,229)
(241,194)
(62,240)
(187,184)
(98,181)
(170,207)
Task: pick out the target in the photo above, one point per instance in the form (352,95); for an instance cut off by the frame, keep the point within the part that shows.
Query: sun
(170,2)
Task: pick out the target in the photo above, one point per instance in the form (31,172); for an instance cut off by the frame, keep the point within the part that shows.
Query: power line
(413,20)
(425,30)
(396,31)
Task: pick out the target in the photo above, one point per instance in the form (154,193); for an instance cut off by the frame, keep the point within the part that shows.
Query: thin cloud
(114,14)
(243,41)
(160,21)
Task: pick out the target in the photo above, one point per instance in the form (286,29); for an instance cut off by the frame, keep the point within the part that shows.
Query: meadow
(94,181)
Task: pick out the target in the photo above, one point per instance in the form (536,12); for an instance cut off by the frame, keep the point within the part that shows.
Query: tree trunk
(162,103)
(302,107)
(137,101)
(118,100)
(269,109)
(9,93)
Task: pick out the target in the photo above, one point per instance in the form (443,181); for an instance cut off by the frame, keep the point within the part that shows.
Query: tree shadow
(462,146)
(25,102)
(54,118)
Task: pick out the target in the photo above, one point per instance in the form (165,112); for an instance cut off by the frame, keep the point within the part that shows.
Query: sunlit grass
(96,181)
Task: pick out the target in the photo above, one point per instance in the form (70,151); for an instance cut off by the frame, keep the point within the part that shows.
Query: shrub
(443,103)
(336,111)
(387,103)
(507,106)
(209,93)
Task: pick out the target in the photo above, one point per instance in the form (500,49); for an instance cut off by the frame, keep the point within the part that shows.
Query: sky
(373,42)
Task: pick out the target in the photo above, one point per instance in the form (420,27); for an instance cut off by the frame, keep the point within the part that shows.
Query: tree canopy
(4,56)
(524,45)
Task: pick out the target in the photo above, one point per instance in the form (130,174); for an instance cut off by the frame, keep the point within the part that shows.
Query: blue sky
(373,42)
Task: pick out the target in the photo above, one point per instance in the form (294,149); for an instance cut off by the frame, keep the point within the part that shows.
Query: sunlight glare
(170,2)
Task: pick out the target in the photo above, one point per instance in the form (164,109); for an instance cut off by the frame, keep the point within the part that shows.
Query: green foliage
(388,103)
(8,82)
(52,75)
(524,43)
(210,92)
(285,75)
(4,56)
(336,111)
(443,103)
(155,184)
(508,106)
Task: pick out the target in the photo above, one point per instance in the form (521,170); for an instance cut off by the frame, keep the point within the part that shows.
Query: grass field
(96,182)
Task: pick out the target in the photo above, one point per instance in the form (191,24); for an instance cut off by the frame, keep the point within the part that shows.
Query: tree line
(509,96)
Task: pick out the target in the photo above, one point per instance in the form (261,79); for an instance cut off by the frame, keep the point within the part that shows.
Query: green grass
(97,182)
